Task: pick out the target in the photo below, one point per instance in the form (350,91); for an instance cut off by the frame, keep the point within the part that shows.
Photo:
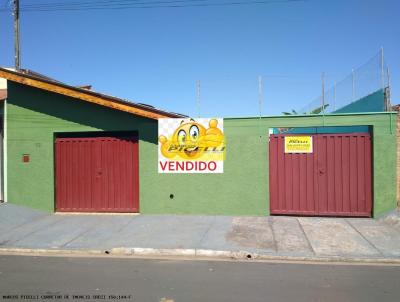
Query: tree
(317,110)
(294,112)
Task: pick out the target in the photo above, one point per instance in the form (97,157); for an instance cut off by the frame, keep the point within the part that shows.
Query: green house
(71,149)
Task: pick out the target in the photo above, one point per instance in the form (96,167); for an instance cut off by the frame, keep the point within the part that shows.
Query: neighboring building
(396,108)
(3,97)
(56,134)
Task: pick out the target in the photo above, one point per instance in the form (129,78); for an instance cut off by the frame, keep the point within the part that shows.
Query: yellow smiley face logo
(188,137)
(191,140)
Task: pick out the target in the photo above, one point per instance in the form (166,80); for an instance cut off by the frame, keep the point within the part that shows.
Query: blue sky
(155,56)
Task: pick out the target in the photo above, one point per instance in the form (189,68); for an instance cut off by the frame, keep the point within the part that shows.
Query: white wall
(3,83)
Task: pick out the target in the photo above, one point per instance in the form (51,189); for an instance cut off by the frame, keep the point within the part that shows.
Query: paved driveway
(21,227)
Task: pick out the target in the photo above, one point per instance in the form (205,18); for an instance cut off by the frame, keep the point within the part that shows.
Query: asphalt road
(25,278)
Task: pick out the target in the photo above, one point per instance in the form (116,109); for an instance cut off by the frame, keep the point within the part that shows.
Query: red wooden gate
(334,180)
(97,174)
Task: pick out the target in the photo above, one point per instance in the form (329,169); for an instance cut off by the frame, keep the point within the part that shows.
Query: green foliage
(317,110)
(293,112)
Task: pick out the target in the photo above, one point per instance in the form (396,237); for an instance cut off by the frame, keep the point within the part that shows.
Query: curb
(195,254)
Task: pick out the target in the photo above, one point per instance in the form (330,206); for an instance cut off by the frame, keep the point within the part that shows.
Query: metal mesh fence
(361,82)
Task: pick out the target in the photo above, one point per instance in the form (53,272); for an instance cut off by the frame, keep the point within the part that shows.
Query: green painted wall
(33,117)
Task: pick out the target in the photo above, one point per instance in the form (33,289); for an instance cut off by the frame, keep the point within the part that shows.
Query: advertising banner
(191,146)
(298,144)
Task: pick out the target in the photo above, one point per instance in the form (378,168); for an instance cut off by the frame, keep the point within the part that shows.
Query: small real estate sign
(191,146)
(298,144)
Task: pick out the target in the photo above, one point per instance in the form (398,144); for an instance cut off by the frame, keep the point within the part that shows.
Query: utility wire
(144,5)
(105,2)
(119,5)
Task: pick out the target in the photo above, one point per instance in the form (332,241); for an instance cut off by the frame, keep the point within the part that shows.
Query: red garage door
(97,174)
(333,180)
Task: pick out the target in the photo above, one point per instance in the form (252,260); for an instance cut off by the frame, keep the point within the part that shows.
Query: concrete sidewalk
(347,239)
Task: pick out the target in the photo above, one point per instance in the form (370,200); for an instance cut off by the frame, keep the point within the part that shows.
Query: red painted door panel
(334,180)
(97,174)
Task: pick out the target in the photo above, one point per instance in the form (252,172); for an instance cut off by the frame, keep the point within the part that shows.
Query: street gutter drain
(107,252)
(248,256)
